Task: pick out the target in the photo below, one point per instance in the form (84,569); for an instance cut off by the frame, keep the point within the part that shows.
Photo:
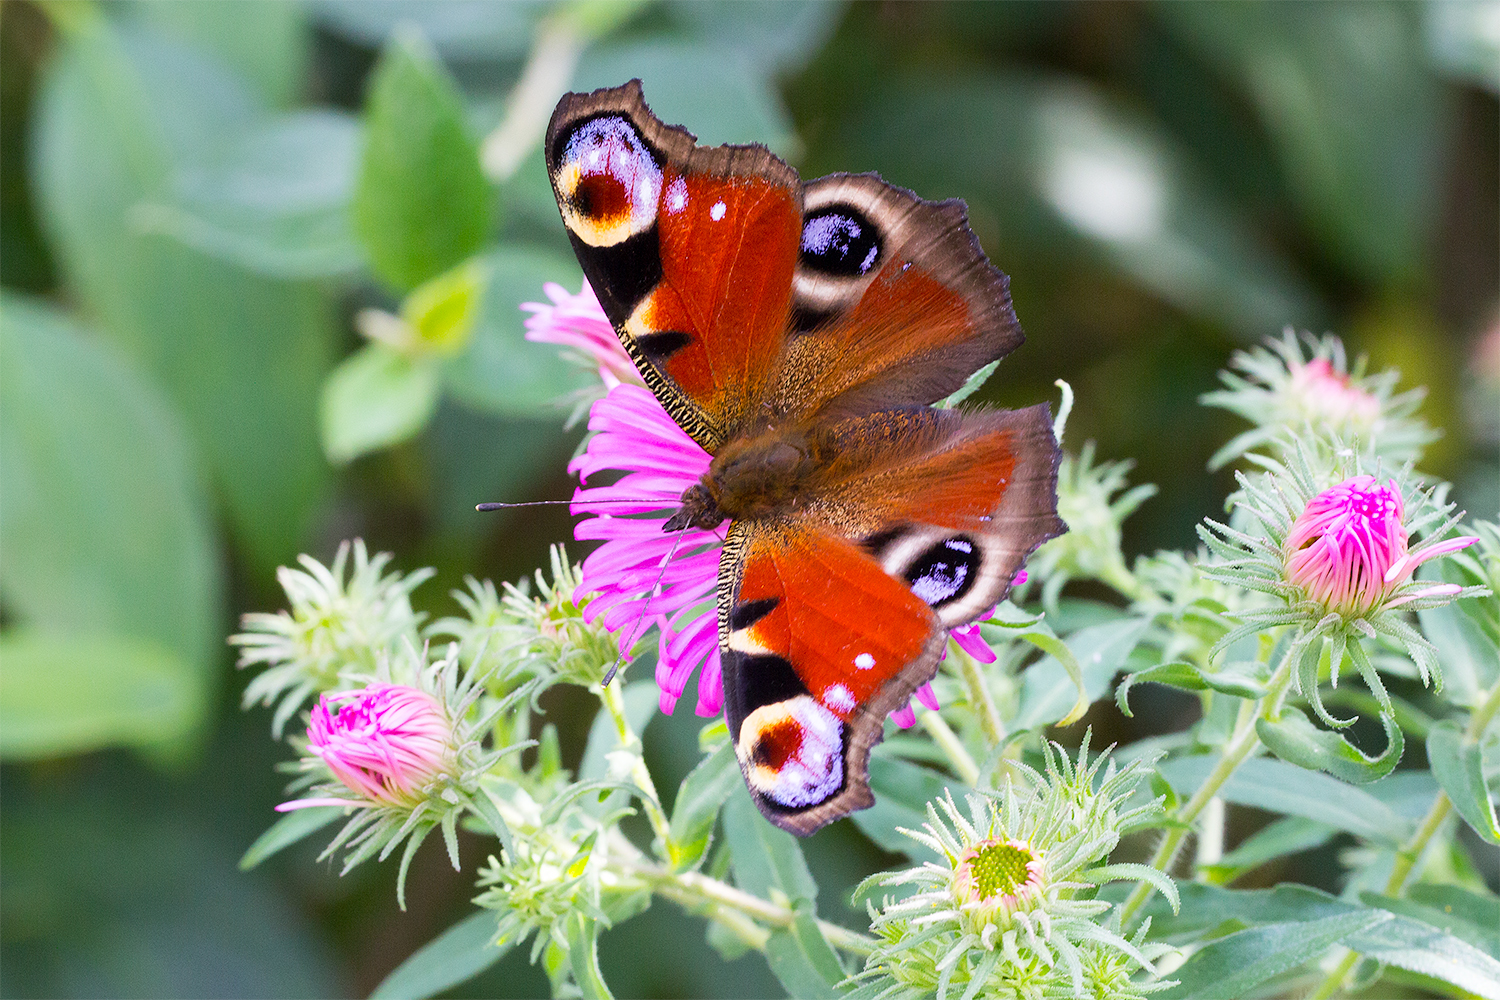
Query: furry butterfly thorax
(801,333)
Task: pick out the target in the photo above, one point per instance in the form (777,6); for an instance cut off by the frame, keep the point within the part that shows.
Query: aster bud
(386,743)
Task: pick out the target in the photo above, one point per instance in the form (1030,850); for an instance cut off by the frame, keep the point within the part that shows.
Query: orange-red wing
(691,251)
(895,304)
(952,507)
(819,645)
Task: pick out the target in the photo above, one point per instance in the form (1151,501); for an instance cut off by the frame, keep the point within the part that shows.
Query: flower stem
(979,697)
(697,891)
(1241,745)
(614,701)
(1411,851)
(947,740)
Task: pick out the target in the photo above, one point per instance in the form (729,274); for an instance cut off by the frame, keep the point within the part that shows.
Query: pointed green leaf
(275,201)
(697,806)
(288,830)
(1233,966)
(803,961)
(455,956)
(421,204)
(1279,787)
(120,113)
(1458,766)
(1297,741)
(765,857)
(1284,836)
(1423,949)
(375,398)
(902,790)
(1048,692)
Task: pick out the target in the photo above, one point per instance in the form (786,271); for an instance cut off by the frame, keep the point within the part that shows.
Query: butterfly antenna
(546,503)
(645,611)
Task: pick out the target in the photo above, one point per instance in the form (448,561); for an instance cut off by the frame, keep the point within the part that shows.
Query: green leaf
(583,956)
(288,830)
(1279,787)
(69,694)
(455,956)
(242,356)
(1047,692)
(1297,741)
(1418,947)
(375,398)
(802,960)
(697,806)
(902,790)
(421,204)
(103,518)
(1284,836)
(274,201)
(1180,674)
(501,372)
(1463,914)
(1458,766)
(765,857)
(442,312)
(1470,662)
(1233,966)
(460,31)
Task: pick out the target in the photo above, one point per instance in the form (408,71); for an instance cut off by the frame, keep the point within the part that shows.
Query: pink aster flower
(385,742)
(578,321)
(1348,549)
(1322,393)
(642,575)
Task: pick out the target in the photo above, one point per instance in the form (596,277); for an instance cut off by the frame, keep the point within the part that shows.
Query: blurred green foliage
(199,200)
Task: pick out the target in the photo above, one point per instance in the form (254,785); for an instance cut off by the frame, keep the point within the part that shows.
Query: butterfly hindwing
(691,251)
(807,682)
(831,620)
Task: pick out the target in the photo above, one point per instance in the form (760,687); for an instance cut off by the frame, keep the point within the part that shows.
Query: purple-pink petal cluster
(385,742)
(1348,550)
(578,321)
(641,574)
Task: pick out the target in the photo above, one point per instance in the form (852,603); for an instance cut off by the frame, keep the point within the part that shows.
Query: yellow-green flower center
(999,869)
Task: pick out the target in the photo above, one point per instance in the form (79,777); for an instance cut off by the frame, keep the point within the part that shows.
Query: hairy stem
(1241,745)
(947,740)
(716,899)
(979,696)
(614,701)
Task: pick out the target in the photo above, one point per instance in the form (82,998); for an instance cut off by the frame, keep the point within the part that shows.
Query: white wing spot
(677,195)
(838,698)
(864,661)
(717,212)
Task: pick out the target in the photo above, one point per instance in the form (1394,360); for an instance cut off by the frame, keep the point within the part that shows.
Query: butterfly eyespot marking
(946,571)
(608,181)
(839,241)
(792,752)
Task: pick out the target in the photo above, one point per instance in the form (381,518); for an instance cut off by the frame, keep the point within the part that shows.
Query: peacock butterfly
(801,333)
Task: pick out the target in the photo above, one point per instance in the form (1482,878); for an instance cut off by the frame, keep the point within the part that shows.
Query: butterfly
(801,333)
